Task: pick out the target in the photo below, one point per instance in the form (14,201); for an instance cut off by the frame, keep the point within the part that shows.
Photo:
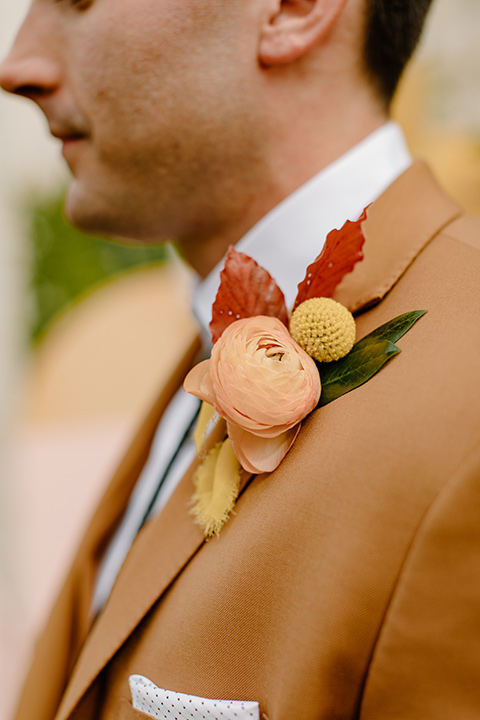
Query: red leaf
(340,254)
(246,289)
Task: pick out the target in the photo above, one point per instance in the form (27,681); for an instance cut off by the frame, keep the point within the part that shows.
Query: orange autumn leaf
(246,289)
(340,254)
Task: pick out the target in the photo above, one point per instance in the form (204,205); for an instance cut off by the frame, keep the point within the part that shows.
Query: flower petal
(259,454)
(198,382)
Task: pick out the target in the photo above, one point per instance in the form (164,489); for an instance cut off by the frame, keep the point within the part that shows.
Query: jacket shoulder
(465,229)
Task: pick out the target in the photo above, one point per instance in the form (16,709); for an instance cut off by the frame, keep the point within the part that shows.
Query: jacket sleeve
(426,663)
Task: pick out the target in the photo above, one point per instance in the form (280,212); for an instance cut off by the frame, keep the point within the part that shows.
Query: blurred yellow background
(68,409)
(452,152)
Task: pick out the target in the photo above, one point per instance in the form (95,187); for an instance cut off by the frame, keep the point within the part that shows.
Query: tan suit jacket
(347,584)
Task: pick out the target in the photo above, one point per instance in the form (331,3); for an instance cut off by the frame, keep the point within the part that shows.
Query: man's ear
(293,27)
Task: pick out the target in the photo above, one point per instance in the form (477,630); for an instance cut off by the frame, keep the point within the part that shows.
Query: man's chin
(116,215)
(90,215)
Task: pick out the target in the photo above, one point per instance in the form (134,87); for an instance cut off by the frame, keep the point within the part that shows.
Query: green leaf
(392,330)
(354,369)
(365,359)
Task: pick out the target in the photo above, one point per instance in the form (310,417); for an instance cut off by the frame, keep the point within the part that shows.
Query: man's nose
(31,77)
(30,69)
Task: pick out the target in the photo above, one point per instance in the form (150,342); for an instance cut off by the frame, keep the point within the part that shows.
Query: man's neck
(291,235)
(289,169)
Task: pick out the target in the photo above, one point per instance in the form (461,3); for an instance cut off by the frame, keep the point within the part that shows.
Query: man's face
(155,103)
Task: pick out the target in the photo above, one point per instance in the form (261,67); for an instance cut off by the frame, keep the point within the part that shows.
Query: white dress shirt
(284,242)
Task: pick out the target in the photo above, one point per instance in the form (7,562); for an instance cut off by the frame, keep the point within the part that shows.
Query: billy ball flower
(263,384)
(324,328)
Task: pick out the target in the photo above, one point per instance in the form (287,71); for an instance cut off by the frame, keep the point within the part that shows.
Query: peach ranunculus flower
(263,384)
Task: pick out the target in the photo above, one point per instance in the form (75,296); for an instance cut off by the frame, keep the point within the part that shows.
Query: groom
(346,583)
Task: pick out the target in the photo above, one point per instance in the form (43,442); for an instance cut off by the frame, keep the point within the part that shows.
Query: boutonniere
(268,369)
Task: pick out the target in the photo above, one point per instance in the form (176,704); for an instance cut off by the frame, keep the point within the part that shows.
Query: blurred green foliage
(66,263)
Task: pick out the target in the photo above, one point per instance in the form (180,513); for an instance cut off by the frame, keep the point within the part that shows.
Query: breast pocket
(151,701)
(128,712)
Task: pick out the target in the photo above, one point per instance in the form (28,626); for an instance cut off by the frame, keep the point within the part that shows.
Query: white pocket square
(168,705)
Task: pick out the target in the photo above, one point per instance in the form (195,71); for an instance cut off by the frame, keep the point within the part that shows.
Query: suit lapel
(160,552)
(399,225)
(112,506)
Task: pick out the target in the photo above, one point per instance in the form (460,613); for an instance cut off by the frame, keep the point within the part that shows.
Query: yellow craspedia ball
(324,328)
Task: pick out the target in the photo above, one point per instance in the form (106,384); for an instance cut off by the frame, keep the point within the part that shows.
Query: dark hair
(393,28)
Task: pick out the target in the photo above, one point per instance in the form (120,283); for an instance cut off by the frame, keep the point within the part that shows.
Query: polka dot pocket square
(169,705)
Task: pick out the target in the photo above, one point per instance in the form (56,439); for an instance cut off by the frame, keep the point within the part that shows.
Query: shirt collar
(292,234)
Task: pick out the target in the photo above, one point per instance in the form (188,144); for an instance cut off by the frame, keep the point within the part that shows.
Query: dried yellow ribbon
(217,483)
(207,418)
